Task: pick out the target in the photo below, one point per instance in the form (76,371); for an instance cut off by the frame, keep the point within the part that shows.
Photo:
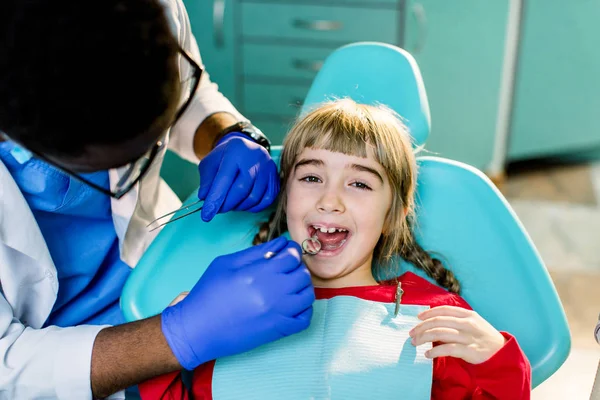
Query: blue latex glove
(238,174)
(242,301)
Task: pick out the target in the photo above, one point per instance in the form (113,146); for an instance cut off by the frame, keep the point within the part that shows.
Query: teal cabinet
(557,92)
(459,47)
(290,63)
(265,53)
(322,23)
(282,45)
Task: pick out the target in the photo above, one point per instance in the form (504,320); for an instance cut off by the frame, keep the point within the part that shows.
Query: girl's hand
(180,297)
(462,334)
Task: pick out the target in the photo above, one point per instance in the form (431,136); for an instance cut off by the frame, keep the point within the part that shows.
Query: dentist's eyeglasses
(190,79)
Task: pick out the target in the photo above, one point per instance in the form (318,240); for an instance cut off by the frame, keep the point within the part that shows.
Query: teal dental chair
(460,215)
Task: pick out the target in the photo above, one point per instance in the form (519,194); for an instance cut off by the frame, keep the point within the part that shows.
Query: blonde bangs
(346,127)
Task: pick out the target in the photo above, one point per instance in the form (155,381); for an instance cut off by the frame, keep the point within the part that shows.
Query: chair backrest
(460,215)
(360,71)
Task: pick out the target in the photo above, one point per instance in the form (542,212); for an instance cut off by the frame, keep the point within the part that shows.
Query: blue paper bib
(353,349)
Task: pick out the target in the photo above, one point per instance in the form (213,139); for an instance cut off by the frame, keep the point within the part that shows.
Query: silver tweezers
(173,212)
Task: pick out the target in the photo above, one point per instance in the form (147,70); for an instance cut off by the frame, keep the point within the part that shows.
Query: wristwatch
(246,128)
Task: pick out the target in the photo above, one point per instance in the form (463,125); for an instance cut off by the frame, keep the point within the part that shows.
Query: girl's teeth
(329,230)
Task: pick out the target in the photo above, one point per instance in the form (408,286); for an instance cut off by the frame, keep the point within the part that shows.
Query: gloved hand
(238,174)
(242,301)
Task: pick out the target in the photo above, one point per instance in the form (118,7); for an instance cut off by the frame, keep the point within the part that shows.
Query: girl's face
(344,200)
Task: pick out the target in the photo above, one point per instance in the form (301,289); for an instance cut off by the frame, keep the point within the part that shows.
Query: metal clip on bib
(399,293)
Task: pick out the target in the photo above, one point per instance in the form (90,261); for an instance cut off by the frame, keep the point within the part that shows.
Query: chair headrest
(375,73)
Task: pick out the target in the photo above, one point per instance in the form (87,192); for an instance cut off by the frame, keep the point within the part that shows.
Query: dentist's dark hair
(79,73)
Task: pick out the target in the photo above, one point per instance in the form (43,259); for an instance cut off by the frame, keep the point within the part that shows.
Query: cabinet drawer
(361,3)
(320,23)
(273,99)
(276,61)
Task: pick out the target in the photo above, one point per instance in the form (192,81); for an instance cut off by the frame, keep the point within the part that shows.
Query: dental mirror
(311,246)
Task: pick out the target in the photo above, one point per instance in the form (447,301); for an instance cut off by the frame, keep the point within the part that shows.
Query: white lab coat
(55,362)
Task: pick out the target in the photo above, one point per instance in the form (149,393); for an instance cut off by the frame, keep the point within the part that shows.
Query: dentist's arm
(242,301)
(207,132)
(54,363)
(125,355)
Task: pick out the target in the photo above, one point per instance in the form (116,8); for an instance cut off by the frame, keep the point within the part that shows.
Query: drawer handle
(317,25)
(306,65)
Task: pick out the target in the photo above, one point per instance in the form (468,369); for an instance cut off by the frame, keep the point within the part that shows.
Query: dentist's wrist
(246,130)
(206,134)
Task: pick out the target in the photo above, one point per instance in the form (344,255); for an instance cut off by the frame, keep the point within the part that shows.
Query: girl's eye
(310,178)
(361,185)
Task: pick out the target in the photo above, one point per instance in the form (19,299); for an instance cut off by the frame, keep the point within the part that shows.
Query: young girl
(348,179)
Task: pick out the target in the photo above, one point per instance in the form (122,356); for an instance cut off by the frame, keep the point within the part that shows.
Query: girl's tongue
(331,241)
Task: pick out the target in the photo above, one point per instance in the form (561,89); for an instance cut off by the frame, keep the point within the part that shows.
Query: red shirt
(506,375)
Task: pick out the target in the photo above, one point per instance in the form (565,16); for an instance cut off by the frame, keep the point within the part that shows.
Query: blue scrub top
(76,222)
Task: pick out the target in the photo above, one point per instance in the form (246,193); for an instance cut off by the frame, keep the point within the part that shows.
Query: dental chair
(460,216)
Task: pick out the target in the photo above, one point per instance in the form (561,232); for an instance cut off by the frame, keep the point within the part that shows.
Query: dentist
(91,96)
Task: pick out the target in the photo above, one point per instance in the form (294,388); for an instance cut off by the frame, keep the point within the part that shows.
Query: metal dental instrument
(173,212)
(310,246)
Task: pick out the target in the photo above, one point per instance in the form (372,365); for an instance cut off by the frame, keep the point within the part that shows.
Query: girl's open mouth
(332,238)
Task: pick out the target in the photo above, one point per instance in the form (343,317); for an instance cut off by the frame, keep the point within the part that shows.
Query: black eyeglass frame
(150,155)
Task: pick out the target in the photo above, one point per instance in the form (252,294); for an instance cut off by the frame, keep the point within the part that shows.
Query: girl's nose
(331,202)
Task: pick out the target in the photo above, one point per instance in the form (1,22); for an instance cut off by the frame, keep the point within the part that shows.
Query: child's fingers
(449,311)
(459,324)
(447,350)
(180,297)
(445,335)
